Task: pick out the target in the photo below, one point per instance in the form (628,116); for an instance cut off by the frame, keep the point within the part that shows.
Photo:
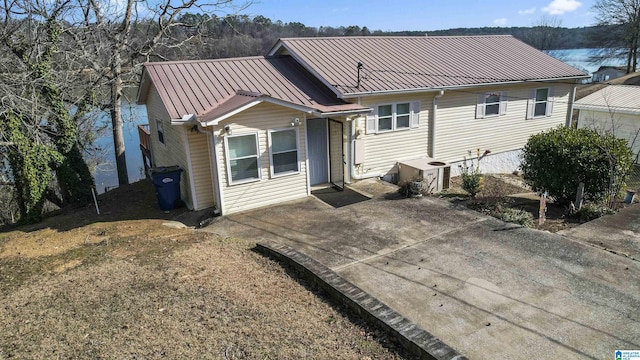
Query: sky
(416,15)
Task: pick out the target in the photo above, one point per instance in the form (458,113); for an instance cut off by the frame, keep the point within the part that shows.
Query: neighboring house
(255,131)
(606,73)
(614,109)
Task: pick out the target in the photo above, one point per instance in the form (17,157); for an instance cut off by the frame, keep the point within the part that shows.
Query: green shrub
(557,160)
(592,212)
(517,216)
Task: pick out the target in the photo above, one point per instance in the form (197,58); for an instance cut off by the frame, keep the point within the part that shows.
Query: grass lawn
(123,285)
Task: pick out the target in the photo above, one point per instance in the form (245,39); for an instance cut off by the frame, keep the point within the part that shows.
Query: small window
(385,118)
(243,158)
(491,104)
(541,100)
(160,131)
(403,116)
(284,151)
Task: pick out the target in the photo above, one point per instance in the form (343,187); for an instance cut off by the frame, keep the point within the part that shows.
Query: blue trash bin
(166,180)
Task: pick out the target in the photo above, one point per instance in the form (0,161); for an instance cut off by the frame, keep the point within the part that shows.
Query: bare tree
(544,33)
(116,37)
(623,41)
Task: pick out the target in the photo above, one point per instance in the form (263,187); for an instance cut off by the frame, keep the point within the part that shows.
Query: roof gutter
(606,109)
(431,89)
(342,113)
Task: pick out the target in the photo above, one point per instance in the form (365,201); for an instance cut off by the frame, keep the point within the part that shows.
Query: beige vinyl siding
(624,126)
(172,152)
(201,170)
(260,119)
(384,150)
(458,130)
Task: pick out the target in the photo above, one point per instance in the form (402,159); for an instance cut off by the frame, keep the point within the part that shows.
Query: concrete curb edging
(415,339)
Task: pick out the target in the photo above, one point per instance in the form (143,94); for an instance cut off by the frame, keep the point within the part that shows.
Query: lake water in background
(579,58)
(106,175)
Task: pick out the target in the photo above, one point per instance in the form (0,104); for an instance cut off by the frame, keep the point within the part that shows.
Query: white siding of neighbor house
(260,119)
(624,126)
(201,166)
(458,131)
(172,152)
(384,150)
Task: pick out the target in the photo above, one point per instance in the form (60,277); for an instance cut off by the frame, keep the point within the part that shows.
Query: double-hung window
(540,102)
(284,151)
(541,99)
(393,117)
(491,104)
(243,159)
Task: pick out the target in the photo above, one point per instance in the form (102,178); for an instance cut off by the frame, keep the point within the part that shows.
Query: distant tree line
(242,35)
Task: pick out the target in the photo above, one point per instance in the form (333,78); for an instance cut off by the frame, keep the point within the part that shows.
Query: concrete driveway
(486,288)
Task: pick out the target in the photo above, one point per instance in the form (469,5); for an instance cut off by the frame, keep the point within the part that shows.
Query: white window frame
(160,130)
(271,153)
(536,102)
(531,106)
(228,159)
(394,117)
(481,108)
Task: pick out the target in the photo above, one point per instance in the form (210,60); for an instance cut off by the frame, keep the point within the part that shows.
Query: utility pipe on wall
(433,129)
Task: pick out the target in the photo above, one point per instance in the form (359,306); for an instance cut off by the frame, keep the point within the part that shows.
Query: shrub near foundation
(557,160)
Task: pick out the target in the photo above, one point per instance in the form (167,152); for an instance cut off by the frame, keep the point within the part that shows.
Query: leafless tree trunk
(625,14)
(127,50)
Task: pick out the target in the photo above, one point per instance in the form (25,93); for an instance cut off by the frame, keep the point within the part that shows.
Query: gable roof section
(613,98)
(210,89)
(394,64)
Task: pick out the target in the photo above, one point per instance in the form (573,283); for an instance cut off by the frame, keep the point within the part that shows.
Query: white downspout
(215,171)
(433,129)
(573,99)
(352,167)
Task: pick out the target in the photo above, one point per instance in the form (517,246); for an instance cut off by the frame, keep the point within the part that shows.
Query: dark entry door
(336,154)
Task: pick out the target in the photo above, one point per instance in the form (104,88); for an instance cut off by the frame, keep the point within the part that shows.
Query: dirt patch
(72,288)
(506,191)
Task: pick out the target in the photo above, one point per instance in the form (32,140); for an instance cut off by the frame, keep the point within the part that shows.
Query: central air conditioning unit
(436,174)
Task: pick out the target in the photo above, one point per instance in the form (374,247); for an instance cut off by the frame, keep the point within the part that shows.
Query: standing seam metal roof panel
(211,86)
(398,63)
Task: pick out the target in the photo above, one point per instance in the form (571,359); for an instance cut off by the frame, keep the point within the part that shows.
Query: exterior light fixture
(227,129)
(295,122)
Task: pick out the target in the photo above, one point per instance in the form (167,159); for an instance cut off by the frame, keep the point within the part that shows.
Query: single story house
(606,73)
(255,131)
(614,109)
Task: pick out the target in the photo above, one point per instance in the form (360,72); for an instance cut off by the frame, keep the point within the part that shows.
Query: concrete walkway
(488,289)
(618,233)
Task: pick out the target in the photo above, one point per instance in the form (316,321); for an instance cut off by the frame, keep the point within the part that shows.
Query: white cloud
(527,11)
(500,22)
(559,7)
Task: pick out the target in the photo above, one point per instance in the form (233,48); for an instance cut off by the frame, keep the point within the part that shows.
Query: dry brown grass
(137,289)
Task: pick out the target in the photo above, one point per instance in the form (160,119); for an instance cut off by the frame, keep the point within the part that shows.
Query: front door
(317,142)
(336,153)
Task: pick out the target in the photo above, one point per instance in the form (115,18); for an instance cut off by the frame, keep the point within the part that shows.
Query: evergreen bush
(557,160)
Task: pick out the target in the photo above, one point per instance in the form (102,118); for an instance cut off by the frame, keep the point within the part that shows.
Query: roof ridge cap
(161,63)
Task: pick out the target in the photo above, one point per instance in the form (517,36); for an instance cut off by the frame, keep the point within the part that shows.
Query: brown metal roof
(211,88)
(425,62)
